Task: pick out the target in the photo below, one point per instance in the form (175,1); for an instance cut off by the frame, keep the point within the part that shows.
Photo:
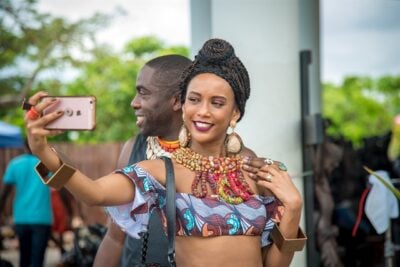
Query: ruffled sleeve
(133,217)
(274,214)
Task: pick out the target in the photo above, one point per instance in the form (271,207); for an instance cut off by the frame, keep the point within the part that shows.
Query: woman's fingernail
(53,99)
(246,159)
(60,112)
(245,166)
(252,175)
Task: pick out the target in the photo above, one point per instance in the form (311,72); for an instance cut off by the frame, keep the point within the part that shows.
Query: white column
(268,36)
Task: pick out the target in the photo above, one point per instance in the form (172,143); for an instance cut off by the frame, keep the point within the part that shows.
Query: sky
(167,19)
(358,37)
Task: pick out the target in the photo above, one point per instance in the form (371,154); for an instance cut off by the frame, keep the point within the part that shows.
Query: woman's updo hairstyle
(217,56)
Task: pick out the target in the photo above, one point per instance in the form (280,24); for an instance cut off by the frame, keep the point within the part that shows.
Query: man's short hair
(168,71)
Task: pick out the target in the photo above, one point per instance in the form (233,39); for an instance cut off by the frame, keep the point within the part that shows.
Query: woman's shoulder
(155,168)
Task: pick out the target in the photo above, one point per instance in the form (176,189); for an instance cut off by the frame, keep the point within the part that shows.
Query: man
(158,110)
(157,107)
(31,208)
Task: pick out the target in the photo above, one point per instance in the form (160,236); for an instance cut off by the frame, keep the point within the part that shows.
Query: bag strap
(138,153)
(170,210)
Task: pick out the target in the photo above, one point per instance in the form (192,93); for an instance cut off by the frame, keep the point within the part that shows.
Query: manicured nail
(60,112)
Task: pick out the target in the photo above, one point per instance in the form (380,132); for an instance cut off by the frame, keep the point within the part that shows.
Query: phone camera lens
(69,112)
(91,102)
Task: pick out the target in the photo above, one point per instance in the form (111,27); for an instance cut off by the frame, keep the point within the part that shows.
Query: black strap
(170,210)
(138,153)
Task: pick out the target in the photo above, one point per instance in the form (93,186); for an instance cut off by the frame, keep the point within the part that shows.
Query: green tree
(32,44)
(111,77)
(361,107)
(389,88)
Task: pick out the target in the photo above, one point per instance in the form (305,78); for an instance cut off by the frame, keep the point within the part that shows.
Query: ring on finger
(268,161)
(282,166)
(33,114)
(269,177)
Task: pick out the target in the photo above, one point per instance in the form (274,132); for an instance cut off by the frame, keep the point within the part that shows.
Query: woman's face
(208,109)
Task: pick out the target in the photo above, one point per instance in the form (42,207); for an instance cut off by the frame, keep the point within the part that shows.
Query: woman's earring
(184,136)
(233,142)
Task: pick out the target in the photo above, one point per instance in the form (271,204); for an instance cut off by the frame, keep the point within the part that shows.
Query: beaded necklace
(169,146)
(222,174)
(155,149)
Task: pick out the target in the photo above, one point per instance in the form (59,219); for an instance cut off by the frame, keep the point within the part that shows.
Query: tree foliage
(34,43)
(111,77)
(35,47)
(361,107)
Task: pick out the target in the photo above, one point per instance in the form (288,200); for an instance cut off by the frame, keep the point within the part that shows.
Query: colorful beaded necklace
(222,174)
(169,146)
(156,150)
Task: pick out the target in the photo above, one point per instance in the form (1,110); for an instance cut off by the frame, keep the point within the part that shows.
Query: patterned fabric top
(204,217)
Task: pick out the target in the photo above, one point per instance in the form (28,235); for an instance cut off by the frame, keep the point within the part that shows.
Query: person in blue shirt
(31,208)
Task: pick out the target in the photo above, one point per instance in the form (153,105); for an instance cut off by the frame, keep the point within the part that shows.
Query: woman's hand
(273,176)
(36,132)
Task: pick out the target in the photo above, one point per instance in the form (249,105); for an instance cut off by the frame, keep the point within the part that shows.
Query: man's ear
(176,104)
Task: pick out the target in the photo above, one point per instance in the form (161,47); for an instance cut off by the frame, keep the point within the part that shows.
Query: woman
(220,201)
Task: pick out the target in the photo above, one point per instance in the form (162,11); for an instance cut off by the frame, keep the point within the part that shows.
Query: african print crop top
(195,216)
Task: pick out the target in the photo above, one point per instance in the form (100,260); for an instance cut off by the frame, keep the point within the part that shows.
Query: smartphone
(79,113)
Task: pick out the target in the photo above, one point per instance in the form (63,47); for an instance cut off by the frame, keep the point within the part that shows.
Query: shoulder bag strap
(138,153)
(171,210)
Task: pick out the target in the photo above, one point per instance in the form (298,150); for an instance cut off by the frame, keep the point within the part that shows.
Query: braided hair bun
(217,56)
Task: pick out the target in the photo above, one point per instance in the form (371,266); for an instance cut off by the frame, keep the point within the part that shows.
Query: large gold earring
(184,136)
(233,142)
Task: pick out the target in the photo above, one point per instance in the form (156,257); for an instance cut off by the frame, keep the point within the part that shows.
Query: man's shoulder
(134,141)
(128,147)
(130,142)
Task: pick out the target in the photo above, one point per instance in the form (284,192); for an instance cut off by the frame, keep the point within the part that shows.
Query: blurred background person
(32,213)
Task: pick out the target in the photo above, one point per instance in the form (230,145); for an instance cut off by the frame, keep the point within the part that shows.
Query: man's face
(152,105)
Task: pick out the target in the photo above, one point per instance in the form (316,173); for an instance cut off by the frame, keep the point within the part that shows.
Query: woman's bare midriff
(218,251)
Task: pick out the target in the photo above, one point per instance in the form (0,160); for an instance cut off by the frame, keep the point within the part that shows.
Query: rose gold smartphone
(79,113)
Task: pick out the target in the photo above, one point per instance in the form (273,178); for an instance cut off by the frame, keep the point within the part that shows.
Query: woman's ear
(235,115)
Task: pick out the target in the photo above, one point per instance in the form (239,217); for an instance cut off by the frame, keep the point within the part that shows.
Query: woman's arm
(277,181)
(112,189)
